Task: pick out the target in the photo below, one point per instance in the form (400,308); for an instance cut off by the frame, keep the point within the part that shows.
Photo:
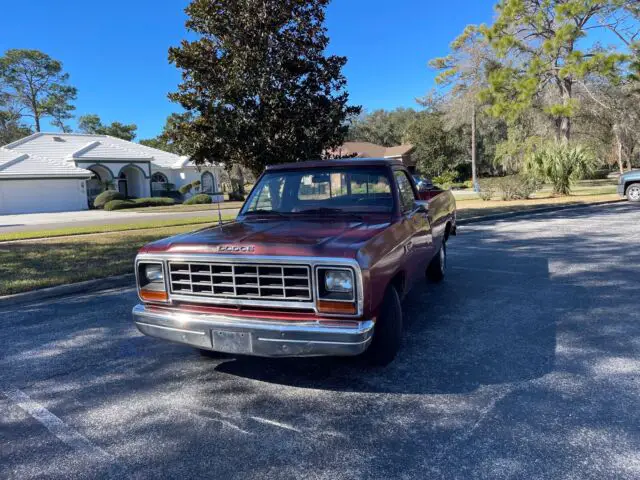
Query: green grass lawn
(142,225)
(44,263)
(205,207)
(581,188)
(476,207)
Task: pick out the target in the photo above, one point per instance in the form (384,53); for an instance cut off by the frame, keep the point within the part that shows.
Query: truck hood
(326,236)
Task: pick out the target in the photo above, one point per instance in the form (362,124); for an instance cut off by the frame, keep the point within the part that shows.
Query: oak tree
(259,84)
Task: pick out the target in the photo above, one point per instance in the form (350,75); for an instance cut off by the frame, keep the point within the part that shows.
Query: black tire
(633,192)
(387,334)
(438,266)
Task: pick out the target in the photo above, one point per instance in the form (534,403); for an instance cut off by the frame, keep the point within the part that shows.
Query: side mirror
(422,206)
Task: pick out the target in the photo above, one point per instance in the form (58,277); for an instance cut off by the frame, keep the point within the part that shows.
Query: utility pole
(474,170)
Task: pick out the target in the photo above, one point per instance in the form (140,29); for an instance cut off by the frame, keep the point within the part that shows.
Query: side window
(269,196)
(407,197)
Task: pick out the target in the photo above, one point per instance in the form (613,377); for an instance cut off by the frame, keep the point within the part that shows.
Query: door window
(407,197)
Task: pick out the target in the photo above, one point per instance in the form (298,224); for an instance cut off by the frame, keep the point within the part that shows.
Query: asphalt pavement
(523,363)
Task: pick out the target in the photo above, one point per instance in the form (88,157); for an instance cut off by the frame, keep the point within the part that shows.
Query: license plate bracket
(230,341)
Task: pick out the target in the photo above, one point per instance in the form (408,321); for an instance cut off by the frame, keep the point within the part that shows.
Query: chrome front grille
(246,280)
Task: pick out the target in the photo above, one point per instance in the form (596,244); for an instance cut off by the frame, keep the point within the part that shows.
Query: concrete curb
(68,289)
(555,208)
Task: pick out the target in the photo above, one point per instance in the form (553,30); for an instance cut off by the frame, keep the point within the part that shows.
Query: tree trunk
(565,122)
(36,117)
(620,163)
(474,171)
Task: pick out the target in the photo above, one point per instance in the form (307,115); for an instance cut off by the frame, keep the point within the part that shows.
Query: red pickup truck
(316,263)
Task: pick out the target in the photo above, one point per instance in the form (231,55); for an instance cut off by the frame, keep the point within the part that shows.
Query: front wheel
(633,192)
(438,266)
(387,335)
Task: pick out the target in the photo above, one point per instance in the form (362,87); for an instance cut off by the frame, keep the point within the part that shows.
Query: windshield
(330,190)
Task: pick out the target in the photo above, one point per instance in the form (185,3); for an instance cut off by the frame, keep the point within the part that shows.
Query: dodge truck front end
(265,306)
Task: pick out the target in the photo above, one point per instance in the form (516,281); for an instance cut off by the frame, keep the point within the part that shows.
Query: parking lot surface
(524,363)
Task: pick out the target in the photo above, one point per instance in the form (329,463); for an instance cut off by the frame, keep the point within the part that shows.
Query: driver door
(418,242)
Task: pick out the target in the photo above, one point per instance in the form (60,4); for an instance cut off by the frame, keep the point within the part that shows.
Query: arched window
(207,183)
(159,178)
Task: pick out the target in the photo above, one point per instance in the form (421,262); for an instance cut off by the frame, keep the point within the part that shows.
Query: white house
(54,172)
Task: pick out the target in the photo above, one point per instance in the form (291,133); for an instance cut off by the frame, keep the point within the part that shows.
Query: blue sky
(116,51)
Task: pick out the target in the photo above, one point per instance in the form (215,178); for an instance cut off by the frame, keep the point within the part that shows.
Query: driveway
(524,363)
(49,221)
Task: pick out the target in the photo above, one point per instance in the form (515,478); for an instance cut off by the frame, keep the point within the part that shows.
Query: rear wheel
(633,192)
(438,266)
(387,335)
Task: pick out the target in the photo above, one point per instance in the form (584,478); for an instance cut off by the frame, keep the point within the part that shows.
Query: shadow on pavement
(521,361)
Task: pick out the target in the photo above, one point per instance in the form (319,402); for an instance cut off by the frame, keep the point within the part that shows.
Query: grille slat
(252,281)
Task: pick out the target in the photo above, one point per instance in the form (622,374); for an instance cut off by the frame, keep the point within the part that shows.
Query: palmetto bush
(560,165)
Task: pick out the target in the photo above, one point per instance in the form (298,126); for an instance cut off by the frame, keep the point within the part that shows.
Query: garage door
(35,196)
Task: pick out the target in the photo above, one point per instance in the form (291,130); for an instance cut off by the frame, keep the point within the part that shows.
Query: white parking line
(61,430)
(275,424)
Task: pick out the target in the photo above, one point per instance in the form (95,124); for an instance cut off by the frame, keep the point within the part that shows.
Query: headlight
(336,291)
(153,272)
(338,281)
(151,286)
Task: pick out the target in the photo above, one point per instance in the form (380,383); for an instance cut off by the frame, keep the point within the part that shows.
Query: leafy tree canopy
(258,83)
(91,123)
(549,43)
(382,127)
(37,87)
(167,139)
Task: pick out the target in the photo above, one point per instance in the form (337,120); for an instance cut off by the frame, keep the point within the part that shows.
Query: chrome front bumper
(248,336)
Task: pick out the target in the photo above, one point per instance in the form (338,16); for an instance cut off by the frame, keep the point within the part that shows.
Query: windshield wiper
(321,210)
(329,210)
(262,211)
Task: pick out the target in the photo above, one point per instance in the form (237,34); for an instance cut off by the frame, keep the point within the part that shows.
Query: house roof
(340,162)
(16,165)
(368,149)
(70,147)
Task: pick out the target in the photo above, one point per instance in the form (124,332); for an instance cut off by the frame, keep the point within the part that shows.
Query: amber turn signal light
(153,295)
(342,308)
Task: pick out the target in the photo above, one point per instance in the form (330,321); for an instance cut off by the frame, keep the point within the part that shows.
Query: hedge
(138,203)
(119,205)
(198,199)
(107,196)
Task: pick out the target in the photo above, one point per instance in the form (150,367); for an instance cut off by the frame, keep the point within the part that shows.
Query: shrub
(138,203)
(516,187)
(154,201)
(174,194)
(198,199)
(561,165)
(468,184)
(120,205)
(236,197)
(107,196)
(186,188)
(444,180)
(487,190)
